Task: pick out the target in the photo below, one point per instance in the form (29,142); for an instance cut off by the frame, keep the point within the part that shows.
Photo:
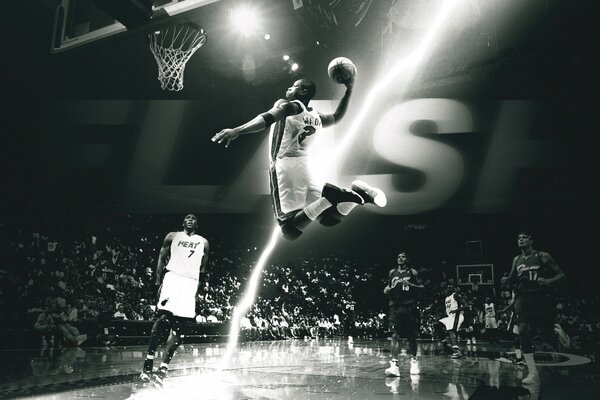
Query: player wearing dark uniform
(404,316)
(532,273)
(183,256)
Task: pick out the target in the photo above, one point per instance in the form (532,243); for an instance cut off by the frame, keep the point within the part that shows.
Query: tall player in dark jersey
(532,273)
(404,316)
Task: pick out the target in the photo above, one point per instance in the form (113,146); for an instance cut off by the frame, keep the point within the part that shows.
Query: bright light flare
(406,65)
(294,67)
(247,299)
(245,20)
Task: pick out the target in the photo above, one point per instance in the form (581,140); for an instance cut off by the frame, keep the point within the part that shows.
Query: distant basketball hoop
(172,47)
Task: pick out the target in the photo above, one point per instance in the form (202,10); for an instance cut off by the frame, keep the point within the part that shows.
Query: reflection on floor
(294,369)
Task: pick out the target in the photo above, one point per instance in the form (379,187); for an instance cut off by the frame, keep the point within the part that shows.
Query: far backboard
(480,274)
(79,22)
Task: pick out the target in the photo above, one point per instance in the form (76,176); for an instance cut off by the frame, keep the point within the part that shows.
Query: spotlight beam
(247,299)
(407,65)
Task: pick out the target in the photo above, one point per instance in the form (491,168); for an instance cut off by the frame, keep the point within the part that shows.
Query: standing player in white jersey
(297,197)
(454,319)
(183,256)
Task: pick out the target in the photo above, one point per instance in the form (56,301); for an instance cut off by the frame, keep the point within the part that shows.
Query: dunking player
(454,318)
(404,316)
(187,255)
(297,198)
(532,273)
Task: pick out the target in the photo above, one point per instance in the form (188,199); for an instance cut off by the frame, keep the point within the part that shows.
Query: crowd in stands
(58,279)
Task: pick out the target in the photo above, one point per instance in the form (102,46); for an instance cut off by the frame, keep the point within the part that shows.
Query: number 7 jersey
(186,255)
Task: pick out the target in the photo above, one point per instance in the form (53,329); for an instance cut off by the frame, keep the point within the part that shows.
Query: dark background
(74,124)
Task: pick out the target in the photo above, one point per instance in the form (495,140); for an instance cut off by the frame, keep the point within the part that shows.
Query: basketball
(341,70)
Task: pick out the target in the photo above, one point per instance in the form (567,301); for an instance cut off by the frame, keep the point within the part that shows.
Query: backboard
(479,274)
(79,22)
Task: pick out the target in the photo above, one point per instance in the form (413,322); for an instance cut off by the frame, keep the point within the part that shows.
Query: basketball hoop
(172,47)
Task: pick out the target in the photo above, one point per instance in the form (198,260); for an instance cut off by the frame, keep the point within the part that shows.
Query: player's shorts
(491,323)
(178,295)
(292,187)
(534,308)
(450,321)
(404,320)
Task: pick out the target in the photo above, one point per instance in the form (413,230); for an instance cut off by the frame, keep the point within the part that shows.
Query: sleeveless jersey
(401,292)
(186,255)
(529,269)
(451,304)
(490,312)
(290,136)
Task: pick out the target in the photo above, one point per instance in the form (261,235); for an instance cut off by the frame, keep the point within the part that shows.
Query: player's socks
(148,363)
(314,209)
(345,208)
(518,353)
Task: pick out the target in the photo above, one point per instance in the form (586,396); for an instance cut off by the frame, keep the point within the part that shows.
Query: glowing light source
(267,36)
(245,20)
(406,65)
(294,67)
(286,57)
(248,299)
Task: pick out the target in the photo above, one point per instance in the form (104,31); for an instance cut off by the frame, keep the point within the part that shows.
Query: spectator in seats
(44,325)
(120,313)
(247,328)
(69,334)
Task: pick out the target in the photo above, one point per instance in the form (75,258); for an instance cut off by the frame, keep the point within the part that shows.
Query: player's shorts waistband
(181,276)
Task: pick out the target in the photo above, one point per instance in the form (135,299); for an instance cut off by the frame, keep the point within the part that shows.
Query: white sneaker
(474,341)
(414,367)
(370,194)
(468,341)
(531,379)
(394,369)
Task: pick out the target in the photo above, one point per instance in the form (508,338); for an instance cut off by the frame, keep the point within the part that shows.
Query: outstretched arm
(279,111)
(330,119)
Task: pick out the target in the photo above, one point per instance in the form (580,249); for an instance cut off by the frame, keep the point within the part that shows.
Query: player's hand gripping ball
(341,70)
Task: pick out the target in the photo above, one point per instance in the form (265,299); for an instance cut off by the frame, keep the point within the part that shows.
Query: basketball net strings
(407,65)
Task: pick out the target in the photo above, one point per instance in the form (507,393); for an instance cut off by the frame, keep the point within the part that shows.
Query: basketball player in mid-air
(531,275)
(183,256)
(297,198)
(404,316)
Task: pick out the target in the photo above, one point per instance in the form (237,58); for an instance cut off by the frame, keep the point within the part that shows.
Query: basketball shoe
(531,378)
(370,194)
(159,376)
(394,369)
(337,195)
(414,366)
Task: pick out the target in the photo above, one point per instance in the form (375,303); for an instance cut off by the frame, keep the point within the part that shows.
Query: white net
(172,47)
